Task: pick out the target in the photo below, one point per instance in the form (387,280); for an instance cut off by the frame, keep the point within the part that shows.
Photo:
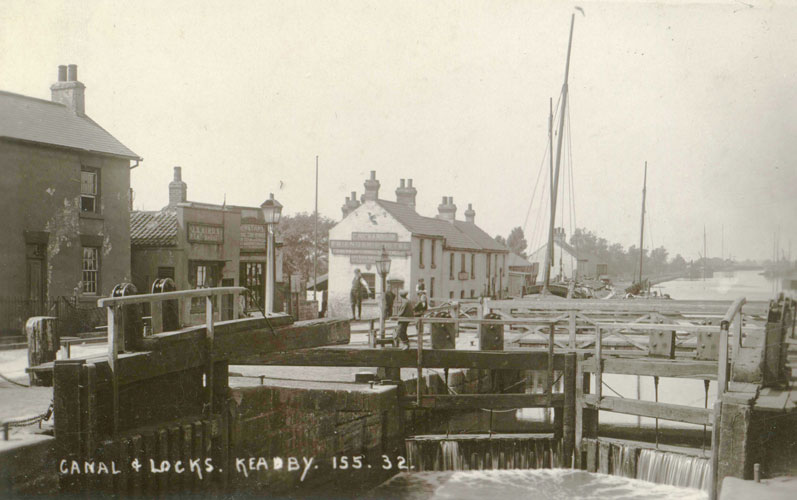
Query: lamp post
(383,267)
(272,211)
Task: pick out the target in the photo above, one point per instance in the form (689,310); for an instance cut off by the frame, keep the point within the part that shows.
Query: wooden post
(456,315)
(572,329)
(209,305)
(722,364)
(236,306)
(43,346)
(569,413)
(156,313)
(598,362)
(67,423)
(115,341)
(550,364)
(579,410)
(713,491)
(420,360)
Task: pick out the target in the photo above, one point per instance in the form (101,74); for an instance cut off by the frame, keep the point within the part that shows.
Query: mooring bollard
(43,345)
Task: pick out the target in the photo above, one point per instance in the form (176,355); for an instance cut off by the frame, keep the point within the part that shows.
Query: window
(433,252)
(90,269)
(451,267)
(431,284)
(89,199)
(472,293)
(472,266)
(420,252)
(488,265)
(202,274)
(462,294)
(462,260)
(251,277)
(451,294)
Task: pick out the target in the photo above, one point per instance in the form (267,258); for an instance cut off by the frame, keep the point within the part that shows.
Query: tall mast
(555,179)
(705,255)
(642,229)
(315,237)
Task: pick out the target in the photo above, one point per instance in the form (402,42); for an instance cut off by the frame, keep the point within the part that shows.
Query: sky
(455,95)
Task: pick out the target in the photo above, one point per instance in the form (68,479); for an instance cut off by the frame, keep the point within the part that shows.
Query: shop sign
(253,237)
(205,233)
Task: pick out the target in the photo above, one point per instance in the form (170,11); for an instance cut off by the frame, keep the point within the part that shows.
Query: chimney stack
(69,91)
(447,210)
(372,187)
(178,190)
(470,214)
(350,204)
(405,194)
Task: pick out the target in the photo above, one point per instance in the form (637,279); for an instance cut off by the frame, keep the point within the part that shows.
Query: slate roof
(36,120)
(460,235)
(153,229)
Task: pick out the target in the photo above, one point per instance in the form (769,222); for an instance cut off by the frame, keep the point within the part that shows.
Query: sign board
(253,237)
(205,233)
(374,236)
(296,283)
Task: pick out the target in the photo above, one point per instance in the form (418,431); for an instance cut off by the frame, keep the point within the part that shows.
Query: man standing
(390,297)
(406,311)
(359,290)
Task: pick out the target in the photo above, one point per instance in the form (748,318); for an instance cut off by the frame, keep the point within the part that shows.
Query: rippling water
(546,484)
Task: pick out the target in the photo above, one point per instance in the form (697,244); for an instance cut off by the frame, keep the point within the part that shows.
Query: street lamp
(272,211)
(383,267)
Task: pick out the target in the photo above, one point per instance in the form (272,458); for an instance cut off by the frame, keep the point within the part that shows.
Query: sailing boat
(642,285)
(570,289)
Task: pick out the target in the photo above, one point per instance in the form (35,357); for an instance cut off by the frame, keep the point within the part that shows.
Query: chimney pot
(178,173)
(401,183)
(68,91)
(62,73)
(409,182)
(445,200)
(373,175)
(371,187)
(354,195)
(470,214)
(71,74)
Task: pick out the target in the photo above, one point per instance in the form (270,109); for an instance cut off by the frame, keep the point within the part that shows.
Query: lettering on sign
(205,233)
(253,237)
(374,236)
(398,246)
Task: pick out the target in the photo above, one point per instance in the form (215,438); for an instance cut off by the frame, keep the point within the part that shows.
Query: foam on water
(548,484)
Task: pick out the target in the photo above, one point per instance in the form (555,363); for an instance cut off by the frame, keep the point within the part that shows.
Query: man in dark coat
(359,291)
(406,311)
(390,297)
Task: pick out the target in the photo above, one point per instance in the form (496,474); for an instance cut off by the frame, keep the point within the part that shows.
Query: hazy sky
(243,95)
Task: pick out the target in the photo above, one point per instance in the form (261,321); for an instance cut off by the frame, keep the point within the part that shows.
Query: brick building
(202,245)
(65,202)
(454,259)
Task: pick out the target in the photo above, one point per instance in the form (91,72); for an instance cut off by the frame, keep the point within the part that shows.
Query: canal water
(549,484)
(724,285)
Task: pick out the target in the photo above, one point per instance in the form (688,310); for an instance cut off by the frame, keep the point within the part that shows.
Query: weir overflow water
(541,451)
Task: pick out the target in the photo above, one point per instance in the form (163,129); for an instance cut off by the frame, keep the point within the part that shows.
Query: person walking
(405,311)
(359,290)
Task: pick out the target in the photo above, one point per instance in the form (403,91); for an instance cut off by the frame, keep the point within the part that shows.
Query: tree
(517,241)
(500,239)
(296,233)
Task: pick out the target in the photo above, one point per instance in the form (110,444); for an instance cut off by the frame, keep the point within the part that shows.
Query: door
(36,292)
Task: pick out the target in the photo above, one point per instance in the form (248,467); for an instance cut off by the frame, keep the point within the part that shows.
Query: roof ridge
(46,101)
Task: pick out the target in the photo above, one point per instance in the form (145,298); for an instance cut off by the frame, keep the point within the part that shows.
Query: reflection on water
(723,286)
(550,484)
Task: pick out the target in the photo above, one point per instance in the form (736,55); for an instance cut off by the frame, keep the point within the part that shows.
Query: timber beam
(676,368)
(665,411)
(479,401)
(394,358)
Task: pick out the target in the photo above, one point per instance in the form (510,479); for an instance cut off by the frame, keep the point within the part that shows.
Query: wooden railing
(116,333)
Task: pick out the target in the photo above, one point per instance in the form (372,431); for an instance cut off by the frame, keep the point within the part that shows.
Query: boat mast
(705,255)
(642,229)
(555,179)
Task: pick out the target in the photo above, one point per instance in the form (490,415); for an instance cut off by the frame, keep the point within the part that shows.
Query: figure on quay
(359,291)
(405,311)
